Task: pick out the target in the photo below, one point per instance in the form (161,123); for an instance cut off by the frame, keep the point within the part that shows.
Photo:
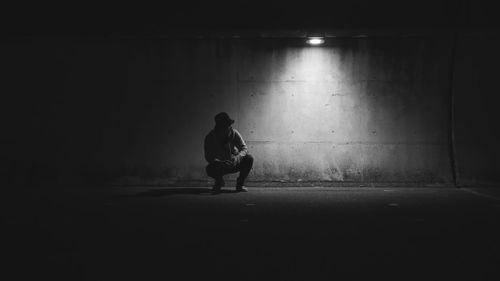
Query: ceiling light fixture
(315,41)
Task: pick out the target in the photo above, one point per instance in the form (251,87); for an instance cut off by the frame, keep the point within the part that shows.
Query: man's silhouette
(226,153)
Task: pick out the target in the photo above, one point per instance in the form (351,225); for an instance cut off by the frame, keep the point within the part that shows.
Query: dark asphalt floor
(155,233)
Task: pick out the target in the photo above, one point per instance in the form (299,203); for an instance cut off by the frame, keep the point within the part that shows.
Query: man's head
(222,120)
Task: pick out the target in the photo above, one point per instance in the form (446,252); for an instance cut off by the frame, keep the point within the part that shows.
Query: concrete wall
(359,109)
(477,99)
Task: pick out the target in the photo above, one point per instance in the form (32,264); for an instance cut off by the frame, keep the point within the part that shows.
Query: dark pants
(218,170)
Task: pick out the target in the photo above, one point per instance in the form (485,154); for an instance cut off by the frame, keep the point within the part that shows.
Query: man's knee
(248,159)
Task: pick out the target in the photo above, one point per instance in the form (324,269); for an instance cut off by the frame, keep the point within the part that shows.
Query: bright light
(315,41)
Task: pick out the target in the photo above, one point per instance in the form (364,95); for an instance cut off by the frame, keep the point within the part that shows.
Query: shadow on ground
(176,191)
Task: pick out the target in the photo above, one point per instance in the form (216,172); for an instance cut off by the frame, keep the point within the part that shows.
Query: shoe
(241,188)
(240,185)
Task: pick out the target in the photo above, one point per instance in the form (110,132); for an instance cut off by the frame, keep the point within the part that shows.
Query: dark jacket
(224,147)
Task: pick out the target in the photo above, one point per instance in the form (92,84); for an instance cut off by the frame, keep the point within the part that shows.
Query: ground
(186,233)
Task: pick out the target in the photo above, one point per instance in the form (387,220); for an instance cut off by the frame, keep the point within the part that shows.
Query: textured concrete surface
(355,109)
(140,233)
(350,110)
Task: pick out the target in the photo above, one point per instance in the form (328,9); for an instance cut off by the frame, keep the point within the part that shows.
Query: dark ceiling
(68,18)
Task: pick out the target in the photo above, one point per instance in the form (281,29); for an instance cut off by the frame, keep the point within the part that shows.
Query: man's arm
(240,144)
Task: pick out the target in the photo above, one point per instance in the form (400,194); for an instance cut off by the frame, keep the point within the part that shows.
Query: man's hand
(234,160)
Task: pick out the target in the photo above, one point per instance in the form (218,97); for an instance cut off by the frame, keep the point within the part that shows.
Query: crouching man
(226,153)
